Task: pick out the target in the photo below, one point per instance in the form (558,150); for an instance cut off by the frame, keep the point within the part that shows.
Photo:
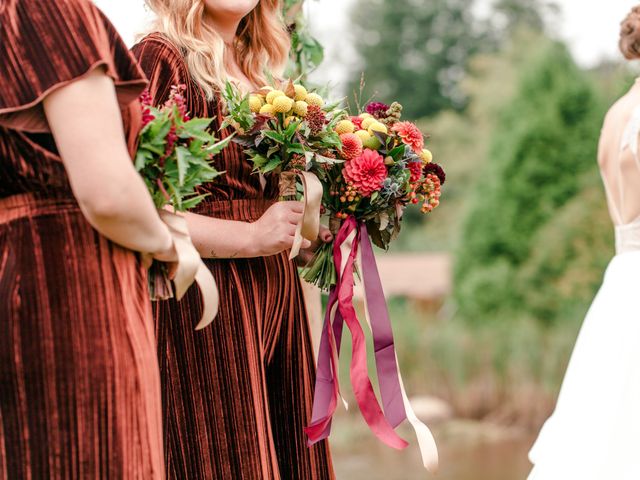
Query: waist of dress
(30,205)
(246,209)
(628,238)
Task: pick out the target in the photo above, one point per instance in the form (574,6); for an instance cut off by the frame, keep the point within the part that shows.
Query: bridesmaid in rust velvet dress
(236,396)
(79,378)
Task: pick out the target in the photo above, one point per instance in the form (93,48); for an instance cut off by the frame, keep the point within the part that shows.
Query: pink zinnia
(366,172)
(410,135)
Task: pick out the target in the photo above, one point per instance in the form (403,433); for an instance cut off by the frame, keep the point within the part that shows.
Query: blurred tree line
(516,122)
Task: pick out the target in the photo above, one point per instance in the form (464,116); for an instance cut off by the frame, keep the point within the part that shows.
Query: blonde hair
(261,44)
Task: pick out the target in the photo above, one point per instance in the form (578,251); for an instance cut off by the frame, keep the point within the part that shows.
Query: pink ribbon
(327,386)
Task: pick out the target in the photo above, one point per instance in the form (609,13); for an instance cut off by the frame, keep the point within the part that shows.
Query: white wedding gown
(594,433)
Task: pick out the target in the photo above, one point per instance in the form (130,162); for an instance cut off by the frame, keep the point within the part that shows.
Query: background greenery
(515,122)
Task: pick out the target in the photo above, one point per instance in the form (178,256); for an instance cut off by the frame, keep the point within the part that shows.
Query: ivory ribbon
(309,225)
(191,268)
(374,302)
(352,247)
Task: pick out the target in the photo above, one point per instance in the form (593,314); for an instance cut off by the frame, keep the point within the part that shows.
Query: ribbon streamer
(352,247)
(309,226)
(191,268)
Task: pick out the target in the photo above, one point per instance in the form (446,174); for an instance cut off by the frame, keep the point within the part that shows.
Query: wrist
(250,240)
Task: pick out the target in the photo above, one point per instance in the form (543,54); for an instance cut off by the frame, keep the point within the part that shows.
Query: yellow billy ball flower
(301,92)
(345,126)
(314,99)
(267,109)
(282,104)
(273,94)
(426,156)
(377,127)
(365,115)
(363,135)
(255,102)
(367,122)
(300,108)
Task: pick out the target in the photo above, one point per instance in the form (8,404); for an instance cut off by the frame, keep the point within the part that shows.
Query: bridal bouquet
(385,168)
(174,158)
(290,132)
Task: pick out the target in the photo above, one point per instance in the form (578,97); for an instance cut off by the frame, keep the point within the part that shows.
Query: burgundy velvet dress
(237,395)
(79,377)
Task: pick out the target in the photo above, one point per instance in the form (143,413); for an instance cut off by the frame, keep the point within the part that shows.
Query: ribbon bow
(191,268)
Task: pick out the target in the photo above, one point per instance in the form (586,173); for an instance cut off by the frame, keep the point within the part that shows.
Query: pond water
(468,451)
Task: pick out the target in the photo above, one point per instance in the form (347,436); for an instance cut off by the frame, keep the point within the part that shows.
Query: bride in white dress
(594,433)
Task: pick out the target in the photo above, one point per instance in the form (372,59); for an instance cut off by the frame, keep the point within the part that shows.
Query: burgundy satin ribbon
(327,386)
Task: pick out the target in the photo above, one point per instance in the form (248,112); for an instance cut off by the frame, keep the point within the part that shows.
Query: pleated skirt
(79,378)
(237,395)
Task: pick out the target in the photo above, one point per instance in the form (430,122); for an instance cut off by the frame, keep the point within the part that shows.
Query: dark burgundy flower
(437,170)
(377,109)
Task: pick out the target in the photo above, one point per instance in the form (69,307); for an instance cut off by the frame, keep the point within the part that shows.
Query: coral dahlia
(351,146)
(410,135)
(366,172)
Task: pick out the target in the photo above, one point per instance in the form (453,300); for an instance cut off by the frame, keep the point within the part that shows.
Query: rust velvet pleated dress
(79,377)
(236,396)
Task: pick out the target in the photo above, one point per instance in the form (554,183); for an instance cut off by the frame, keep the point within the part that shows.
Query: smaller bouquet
(174,158)
(290,132)
(385,168)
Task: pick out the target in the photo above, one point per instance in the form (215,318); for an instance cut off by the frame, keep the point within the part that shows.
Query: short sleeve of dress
(163,65)
(45,45)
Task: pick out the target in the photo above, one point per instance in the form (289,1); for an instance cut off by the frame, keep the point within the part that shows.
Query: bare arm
(85,120)
(271,234)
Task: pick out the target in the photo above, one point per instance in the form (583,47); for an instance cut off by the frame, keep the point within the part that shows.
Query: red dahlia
(416,171)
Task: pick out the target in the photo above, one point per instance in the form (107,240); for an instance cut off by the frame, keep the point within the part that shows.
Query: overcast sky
(590,27)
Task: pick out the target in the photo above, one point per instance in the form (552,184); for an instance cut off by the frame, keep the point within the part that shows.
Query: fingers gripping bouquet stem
(174,158)
(287,131)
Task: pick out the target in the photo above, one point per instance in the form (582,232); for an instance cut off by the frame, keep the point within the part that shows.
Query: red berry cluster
(431,191)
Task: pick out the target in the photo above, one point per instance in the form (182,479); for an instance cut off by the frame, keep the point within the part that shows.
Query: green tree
(414,52)
(542,158)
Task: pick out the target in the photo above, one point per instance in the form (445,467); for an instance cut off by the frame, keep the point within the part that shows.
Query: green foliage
(414,52)
(174,157)
(534,203)
(306,52)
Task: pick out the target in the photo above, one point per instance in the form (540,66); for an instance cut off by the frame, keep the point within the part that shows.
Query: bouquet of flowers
(287,131)
(385,167)
(174,158)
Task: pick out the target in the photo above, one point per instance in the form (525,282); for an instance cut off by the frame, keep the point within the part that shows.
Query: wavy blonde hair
(261,44)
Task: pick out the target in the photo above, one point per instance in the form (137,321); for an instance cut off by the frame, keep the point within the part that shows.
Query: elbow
(104,207)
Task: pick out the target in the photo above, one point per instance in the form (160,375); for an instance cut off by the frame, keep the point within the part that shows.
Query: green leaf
(183,157)
(275,136)
(272,165)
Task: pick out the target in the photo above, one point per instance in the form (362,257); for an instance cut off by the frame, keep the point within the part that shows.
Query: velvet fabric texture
(237,395)
(79,378)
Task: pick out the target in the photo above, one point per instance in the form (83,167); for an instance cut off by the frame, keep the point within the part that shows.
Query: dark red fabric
(79,379)
(237,395)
